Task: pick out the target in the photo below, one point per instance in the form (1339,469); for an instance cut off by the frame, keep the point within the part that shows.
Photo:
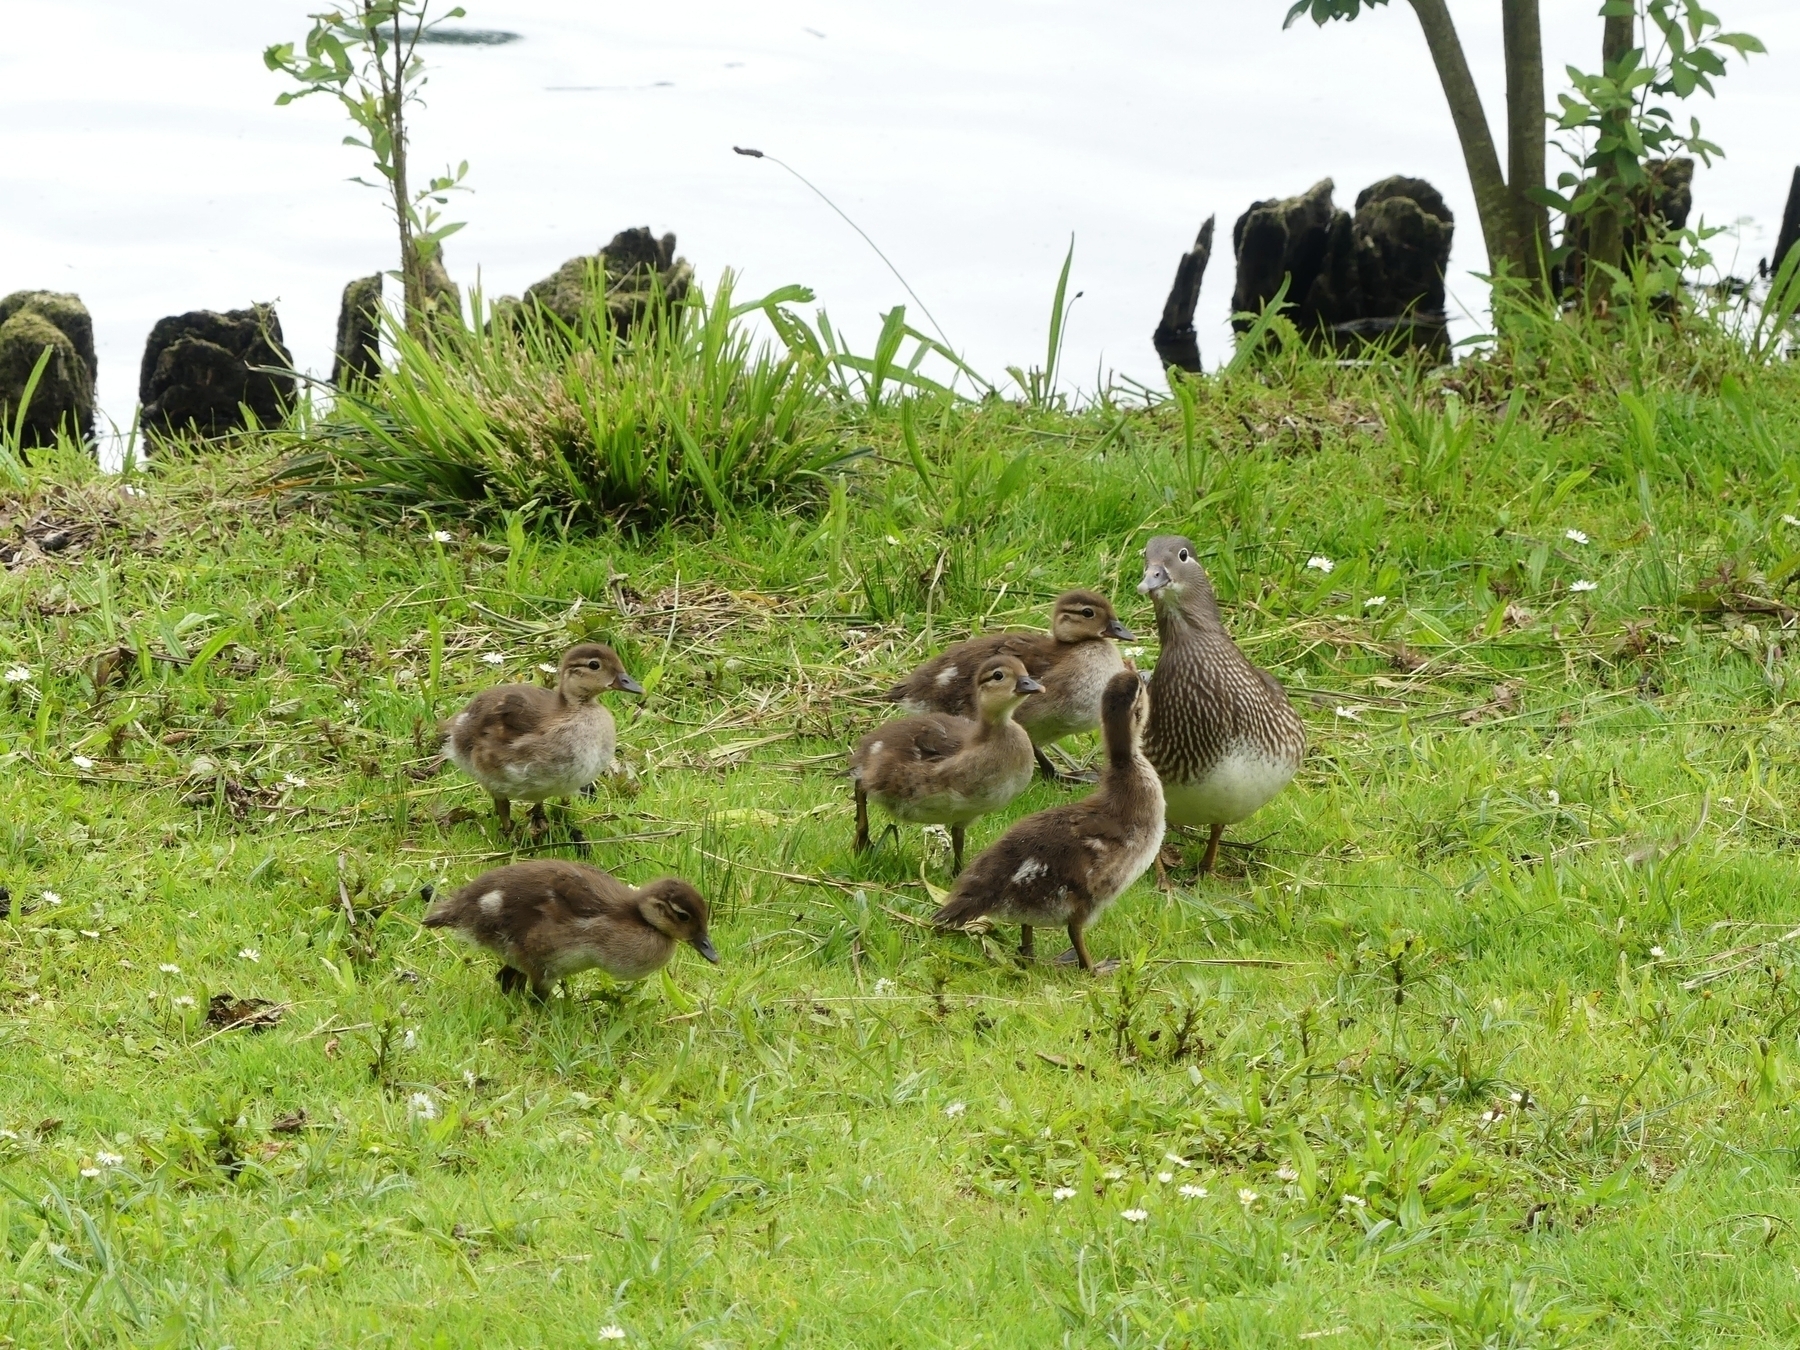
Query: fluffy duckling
(1061,867)
(1073,663)
(937,769)
(1222,734)
(523,743)
(548,920)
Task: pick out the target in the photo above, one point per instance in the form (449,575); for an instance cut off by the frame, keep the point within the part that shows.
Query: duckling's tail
(962,907)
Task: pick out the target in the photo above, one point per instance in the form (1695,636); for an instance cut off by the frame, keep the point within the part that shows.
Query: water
(143,162)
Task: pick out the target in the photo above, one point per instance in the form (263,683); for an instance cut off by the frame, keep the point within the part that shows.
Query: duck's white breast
(1235,787)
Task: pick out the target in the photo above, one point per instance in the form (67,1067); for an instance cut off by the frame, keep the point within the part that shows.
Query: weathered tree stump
(1176,341)
(1373,277)
(1664,203)
(205,371)
(358,348)
(631,273)
(64,397)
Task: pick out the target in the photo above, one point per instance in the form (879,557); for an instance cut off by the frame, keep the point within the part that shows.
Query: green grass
(1495,1019)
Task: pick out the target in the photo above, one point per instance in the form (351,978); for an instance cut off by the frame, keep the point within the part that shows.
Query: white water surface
(144,165)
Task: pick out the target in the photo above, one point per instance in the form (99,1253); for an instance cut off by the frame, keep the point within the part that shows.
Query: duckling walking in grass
(527,744)
(551,919)
(1222,734)
(938,769)
(1061,867)
(1073,663)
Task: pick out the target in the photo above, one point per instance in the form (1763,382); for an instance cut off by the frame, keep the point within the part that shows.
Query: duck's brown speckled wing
(946,683)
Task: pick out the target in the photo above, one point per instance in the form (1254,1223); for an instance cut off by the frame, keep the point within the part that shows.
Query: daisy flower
(1194,1192)
(1063,1193)
(1575,536)
(422,1106)
(1579,586)
(1135,1215)
(81,761)
(18,675)
(1320,563)
(955,1109)
(493,658)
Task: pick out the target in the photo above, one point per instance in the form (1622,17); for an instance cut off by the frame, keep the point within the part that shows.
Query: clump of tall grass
(688,415)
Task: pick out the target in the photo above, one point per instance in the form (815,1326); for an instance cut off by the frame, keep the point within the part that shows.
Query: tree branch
(1492,201)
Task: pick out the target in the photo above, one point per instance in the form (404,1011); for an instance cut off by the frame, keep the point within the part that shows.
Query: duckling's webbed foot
(540,821)
(511,981)
(1078,954)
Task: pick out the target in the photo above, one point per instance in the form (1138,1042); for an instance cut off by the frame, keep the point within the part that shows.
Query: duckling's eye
(1087,613)
(593,665)
(1183,555)
(679,914)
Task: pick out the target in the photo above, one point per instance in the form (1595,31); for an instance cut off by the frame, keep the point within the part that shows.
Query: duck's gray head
(1173,575)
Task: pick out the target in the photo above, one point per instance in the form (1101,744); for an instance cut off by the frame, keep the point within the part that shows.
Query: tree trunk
(1525,132)
(1790,226)
(1493,202)
(412,271)
(1176,342)
(1606,229)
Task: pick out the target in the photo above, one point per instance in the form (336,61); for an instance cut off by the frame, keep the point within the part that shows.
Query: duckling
(547,920)
(1073,663)
(1063,866)
(523,743)
(1222,734)
(935,769)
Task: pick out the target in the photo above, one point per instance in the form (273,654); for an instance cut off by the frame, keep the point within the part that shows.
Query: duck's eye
(1087,613)
(679,914)
(1182,556)
(593,665)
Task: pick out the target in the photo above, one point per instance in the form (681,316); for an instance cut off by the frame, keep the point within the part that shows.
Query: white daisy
(422,1106)
(18,675)
(955,1109)
(183,1000)
(1657,952)
(1135,1215)
(1575,536)
(546,667)
(611,1333)
(1177,1159)
(1349,714)
(441,536)
(493,658)
(81,761)
(169,968)
(1063,1193)
(1375,602)
(90,1171)
(52,898)
(1580,586)
(1194,1192)
(1287,1173)
(1247,1197)
(249,954)
(1791,520)
(884,986)
(1320,563)
(1165,1177)
(1355,1200)
(108,1159)
(293,780)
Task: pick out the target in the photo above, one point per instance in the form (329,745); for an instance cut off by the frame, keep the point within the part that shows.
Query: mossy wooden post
(357,352)
(1176,342)
(1790,226)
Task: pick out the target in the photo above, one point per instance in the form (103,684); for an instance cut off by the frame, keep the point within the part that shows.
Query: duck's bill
(704,946)
(1156,577)
(1027,685)
(628,684)
(1115,629)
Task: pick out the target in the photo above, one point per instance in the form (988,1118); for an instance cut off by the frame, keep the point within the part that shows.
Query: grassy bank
(1488,1039)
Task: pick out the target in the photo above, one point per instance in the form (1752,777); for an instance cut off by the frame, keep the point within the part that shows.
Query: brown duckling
(549,919)
(1073,662)
(937,769)
(1222,734)
(1061,867)
(524,743)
